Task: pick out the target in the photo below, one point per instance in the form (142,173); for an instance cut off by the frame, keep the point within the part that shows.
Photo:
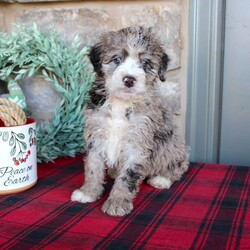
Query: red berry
(17,163)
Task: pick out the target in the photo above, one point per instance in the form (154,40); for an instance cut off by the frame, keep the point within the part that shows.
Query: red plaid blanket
(208,209)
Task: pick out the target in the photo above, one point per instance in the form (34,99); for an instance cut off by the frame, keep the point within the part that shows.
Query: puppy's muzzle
(129,81)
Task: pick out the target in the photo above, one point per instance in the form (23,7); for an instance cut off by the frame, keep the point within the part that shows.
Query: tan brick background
(89,19)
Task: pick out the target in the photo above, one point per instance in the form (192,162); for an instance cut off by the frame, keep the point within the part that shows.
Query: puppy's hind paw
(80,196)
(160,182)
(117,206)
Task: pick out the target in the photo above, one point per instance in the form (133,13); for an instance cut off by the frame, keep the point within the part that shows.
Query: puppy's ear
(163,66)
(95,58)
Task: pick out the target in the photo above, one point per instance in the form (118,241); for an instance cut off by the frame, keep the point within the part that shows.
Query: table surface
(207,209)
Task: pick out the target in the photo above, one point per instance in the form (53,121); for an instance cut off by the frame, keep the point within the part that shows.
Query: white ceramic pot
(18,160)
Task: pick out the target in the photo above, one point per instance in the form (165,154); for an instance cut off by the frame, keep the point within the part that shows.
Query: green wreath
(28,50)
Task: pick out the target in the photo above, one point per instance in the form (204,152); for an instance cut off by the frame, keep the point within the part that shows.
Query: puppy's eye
(146,64)
(117,60)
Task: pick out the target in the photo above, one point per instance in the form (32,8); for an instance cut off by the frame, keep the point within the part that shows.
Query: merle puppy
(129,130)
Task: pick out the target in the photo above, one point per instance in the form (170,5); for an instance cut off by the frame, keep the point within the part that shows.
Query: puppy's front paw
(117,206)
(160,182)
(80,196)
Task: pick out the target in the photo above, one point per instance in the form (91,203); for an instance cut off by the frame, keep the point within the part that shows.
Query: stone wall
(89,19)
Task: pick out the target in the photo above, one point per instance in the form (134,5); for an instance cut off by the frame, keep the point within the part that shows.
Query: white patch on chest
(118,126)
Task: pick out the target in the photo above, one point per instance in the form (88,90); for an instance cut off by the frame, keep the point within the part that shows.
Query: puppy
(127,127)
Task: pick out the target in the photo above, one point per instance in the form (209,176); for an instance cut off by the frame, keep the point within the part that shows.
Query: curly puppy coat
(128,128)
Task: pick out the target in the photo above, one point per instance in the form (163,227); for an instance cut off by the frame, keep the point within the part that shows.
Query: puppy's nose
(129,81)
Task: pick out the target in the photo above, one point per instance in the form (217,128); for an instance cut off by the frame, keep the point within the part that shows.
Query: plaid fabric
(208,209)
